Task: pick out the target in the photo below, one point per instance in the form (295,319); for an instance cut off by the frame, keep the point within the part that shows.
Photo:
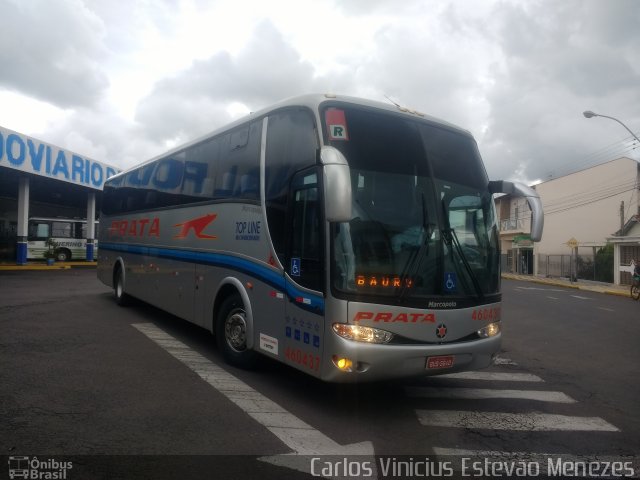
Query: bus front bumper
(374,362)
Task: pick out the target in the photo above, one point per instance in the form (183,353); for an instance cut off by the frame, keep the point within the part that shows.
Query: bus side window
(61,230)
(248,180)
(250,184)
(39,231)
(200,170)
(243,162)
(223,184)
(228,180)
(306,233)
(291,146)
(43,230)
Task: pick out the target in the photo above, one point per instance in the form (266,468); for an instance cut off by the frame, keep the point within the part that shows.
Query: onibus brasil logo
(33,468)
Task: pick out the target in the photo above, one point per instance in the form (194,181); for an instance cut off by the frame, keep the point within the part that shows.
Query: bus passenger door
(304,277)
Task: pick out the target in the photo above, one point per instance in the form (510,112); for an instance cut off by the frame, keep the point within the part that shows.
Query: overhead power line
(581,199)
(621,148)
(570,207)
(589,194)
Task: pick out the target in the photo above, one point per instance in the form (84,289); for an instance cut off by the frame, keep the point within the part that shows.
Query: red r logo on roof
(197,225)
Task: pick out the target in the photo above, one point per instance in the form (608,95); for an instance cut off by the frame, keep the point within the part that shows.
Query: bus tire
(63,255)
(231,333)
(122,298)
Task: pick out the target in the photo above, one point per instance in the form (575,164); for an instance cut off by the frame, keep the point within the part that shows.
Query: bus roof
(312,101)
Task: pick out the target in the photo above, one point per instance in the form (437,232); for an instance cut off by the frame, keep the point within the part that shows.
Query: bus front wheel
(231,333)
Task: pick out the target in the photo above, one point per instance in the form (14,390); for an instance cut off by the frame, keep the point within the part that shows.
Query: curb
(42,267)
(587,288)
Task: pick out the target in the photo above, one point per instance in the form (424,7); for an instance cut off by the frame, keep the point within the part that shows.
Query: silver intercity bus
(350,239)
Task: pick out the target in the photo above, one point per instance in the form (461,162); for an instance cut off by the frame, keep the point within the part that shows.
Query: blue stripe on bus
(304,300)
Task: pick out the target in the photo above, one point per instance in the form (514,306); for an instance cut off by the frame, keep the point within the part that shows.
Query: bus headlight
(490,330)
(360,333)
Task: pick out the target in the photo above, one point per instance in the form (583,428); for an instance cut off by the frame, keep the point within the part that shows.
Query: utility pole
(621,216)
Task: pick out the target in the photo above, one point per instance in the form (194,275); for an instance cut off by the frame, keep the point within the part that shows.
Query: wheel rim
(235,330)
(119,286)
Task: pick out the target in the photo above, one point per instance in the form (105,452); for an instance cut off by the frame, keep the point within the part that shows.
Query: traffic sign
(572,243)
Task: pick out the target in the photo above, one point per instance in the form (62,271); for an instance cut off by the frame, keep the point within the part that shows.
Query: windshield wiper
(413,263)
(450,237)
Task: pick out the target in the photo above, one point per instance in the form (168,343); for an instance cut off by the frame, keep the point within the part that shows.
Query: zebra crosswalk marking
(493,376)
(532,422)
(487,393)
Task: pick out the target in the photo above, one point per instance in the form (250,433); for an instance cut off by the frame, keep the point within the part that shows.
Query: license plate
(443,361)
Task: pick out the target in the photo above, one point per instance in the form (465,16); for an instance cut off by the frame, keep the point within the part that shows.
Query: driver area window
(305,265)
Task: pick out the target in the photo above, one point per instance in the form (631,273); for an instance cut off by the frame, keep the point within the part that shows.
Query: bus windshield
(423,221)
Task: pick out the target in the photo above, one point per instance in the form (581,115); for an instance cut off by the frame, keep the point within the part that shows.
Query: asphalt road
(137,393)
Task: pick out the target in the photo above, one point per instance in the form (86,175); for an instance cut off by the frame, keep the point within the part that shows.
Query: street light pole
(590,114)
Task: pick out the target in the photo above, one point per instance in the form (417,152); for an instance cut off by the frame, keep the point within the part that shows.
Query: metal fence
(556,265)
(585,267)
(597,267)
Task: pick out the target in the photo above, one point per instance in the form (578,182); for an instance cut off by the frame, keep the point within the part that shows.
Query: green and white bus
(69,235)
(349,239)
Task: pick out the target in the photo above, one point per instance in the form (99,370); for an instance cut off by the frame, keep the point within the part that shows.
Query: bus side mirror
(533,199)
(337,185)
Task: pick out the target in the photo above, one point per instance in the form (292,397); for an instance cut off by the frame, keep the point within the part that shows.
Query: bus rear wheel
(122,298)
(231,333)
(63,255)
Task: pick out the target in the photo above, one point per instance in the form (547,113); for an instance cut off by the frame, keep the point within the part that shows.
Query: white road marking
(552,298)
(607,309)
(493,376)
(504,361)
(485,393)
(542,459)
(530,422)
(580,297)
(299,436)
(541,289)
(462,452)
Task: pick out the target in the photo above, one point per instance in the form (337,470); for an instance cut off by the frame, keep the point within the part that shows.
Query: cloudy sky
(121,81)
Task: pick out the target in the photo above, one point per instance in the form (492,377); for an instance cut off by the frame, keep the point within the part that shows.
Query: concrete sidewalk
(43,266)
(608,288)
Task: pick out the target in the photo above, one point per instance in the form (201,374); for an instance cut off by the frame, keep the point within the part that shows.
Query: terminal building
(40,180)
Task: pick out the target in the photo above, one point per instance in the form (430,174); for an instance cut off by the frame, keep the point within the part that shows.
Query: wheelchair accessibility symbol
(450,282)
(295,267)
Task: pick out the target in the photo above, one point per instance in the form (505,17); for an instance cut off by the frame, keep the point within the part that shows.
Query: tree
(604,264)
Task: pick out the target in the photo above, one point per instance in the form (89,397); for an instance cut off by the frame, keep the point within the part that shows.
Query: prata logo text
(150,227)
(391,317)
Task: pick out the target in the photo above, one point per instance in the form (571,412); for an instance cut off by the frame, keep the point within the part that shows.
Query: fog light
(490,330)
(343,363)
(362,334)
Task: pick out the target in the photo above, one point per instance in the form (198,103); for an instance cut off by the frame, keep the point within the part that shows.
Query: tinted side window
(200,170)
(291,146)
(238,171)
(227,166)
